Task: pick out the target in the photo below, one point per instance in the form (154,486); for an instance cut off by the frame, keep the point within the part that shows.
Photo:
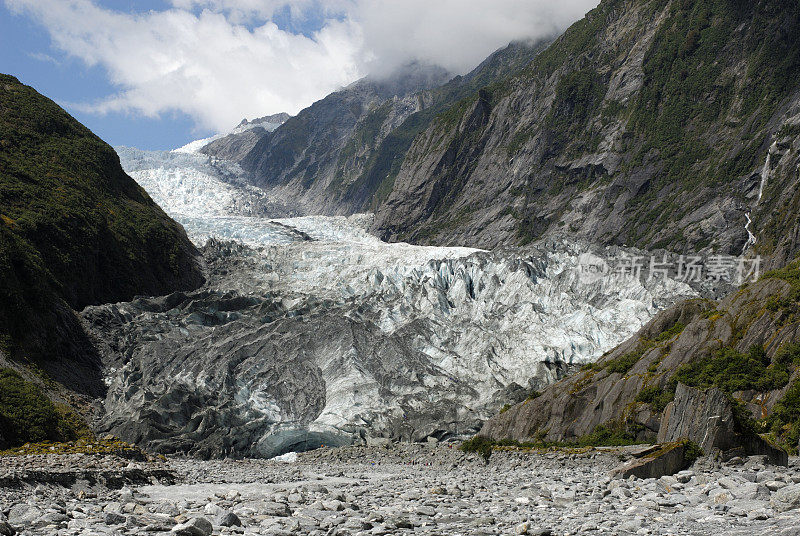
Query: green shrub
(533,395)
(624,363)
(675,330)
(784,421)
(692,452)
(657,397)
(26,414)
(612,435)
(732,371)
(479,445)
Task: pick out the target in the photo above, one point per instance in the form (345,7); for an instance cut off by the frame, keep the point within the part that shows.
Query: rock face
(631,385)
(341,154)
(301,159)
(607,131)
(707,418)
(74,230)
(236,144)
(344,338)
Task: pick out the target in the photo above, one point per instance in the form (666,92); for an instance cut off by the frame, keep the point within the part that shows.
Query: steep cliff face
(301,158)
(75,230)
(647,123)
(746,346)
(341,155)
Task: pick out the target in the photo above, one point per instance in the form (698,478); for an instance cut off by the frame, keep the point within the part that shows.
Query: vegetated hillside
(341,154)
(74,230)
(647,123)
(747,346)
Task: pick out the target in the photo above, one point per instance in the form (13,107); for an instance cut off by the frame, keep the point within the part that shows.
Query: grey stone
(787,498)
(22,515)
(198,526)
(229,519)
(114,519)
(668,460)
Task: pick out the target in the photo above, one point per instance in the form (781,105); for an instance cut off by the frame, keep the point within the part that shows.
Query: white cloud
(202,64)
(458,34)
(221,60)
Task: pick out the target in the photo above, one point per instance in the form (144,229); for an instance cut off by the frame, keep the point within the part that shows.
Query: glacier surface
(311,331)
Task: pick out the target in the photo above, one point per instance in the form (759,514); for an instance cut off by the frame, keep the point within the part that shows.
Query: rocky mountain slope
(655,123)
(340,155)
(75,230)
(648,123)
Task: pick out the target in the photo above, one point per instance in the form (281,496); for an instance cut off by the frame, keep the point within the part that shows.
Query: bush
(657,397)
(784,422)
(26,414)
(612,435)
(692,452)
(479,445)
(624,363)
(732,371)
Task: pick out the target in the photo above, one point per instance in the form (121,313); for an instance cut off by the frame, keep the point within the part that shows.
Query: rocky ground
(404,489)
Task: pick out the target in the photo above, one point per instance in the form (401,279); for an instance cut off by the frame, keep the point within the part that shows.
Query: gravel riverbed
(405,489)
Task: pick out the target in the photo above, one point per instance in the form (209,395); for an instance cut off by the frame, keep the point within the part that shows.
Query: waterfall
(764,177)
(751,238)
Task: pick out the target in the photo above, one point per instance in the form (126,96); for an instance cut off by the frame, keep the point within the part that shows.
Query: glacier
(312,331)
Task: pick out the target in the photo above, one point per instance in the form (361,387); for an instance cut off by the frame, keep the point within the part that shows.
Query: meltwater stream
(312,331)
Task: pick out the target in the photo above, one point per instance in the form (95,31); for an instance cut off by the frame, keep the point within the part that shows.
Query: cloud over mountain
(221,60)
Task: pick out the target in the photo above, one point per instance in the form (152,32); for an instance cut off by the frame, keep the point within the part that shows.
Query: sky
(156,74)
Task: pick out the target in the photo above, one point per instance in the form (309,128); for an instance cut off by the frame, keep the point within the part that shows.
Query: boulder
(786,498)
(112,518)
(229,519)
(198,526)
(668,459)
(707,418)
(24,515)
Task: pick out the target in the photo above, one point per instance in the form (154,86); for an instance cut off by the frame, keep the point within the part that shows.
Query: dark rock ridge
(75,230)
(301,156)
(740,354)
(647,123)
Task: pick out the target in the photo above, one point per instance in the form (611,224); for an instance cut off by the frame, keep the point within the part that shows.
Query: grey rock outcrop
(707,418)
(340,155)
(311,157)
(665,459)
